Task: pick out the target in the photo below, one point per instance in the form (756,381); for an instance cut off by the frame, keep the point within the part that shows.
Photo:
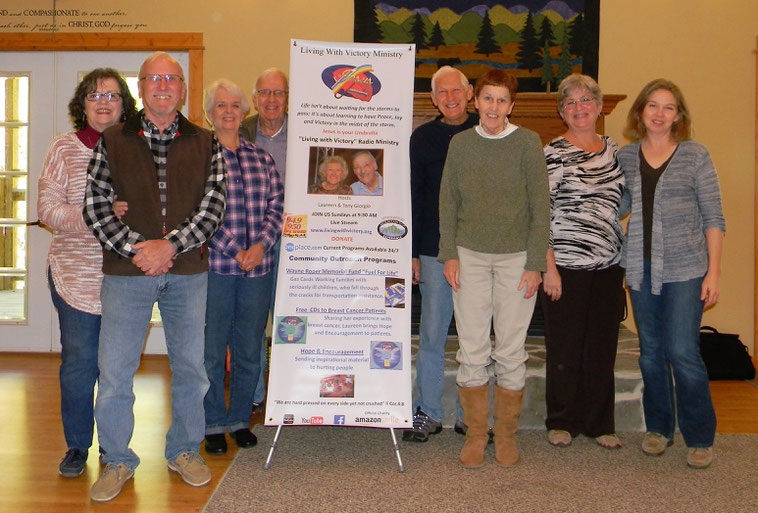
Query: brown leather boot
(507,411)
(475,402)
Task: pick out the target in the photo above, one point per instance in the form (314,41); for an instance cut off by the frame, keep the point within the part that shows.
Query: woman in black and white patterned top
(582,295)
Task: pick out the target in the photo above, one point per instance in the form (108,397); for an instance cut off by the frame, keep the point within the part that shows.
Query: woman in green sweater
(494,228)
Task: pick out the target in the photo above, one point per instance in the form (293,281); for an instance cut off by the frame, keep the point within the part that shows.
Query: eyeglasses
(571,104)
(169,79)
(109,97)
(267,92)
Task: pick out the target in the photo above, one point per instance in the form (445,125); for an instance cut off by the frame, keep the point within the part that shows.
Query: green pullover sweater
(494,197)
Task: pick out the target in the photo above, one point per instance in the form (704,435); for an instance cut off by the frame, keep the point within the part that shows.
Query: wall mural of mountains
(538,41)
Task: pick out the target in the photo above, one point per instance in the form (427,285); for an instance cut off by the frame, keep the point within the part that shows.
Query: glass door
(35,90)
(25,132)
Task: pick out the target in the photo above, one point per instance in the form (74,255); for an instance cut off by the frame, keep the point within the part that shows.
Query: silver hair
(328,160)
(272,71)
(364,152)
(444,70)
(578,82)
(231,88)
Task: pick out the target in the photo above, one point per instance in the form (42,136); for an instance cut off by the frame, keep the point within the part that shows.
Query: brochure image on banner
(290,330)
(387,355)
(394,292)
(341,351)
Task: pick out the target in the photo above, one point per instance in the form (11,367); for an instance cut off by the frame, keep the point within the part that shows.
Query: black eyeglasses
(109,97)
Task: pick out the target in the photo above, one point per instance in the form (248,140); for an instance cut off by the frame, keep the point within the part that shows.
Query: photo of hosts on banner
(346,171)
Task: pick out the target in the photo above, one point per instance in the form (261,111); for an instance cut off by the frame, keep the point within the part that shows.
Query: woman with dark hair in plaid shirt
(241,265)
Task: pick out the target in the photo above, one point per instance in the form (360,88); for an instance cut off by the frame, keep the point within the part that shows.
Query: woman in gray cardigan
(672,257)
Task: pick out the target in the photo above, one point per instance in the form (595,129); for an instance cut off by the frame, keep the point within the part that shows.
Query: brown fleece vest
(135,180)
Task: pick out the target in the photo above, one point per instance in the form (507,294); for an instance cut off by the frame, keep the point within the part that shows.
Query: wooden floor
(31,441)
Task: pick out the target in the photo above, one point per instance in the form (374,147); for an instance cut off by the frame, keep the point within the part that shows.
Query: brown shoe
(475,403)
(192,468)
(699,457)
(506,414)
(110,483)
(654,444)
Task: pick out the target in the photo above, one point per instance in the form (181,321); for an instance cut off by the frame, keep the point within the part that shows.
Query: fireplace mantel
(536,111)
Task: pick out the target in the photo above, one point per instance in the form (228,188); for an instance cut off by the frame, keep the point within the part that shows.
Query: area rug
(341,469)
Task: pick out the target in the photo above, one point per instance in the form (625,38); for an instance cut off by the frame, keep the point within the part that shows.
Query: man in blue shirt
(268,131)
(268,128)
(369,182)
(429,143)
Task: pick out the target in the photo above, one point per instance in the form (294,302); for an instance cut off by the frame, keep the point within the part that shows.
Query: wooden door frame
(191,42)
(755,226)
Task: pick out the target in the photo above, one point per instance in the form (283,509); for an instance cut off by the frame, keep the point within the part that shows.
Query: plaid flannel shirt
(254,204)
(118,237)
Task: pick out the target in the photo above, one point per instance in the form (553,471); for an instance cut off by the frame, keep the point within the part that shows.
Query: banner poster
(341,350)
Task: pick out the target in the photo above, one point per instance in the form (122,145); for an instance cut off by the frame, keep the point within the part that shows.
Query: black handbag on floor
(725,356)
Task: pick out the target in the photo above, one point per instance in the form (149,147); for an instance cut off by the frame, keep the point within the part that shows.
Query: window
(14,181)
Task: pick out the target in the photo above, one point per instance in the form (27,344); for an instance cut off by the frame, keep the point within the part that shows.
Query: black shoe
(244,438)
(73,463)
(423,427)
(215,444)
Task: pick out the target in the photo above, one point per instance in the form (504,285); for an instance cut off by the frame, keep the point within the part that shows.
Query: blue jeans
(260,389)
(127,305)
(436,313)
(236,317)
(669,330)
(80,332)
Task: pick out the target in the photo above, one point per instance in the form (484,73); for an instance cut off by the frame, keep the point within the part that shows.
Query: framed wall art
(538,41)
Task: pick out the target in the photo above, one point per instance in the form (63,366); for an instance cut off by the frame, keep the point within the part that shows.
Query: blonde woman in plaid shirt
(241,271)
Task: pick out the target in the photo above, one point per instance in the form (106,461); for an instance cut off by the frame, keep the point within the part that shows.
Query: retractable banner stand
(341,333)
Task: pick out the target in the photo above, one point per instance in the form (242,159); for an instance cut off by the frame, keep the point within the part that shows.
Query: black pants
(581,338)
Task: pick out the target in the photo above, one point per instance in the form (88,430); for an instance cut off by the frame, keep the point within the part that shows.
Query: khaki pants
(488,291)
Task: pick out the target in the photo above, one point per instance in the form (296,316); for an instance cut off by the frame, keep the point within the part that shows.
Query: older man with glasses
(171,173)
(429,144)
(268,130)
